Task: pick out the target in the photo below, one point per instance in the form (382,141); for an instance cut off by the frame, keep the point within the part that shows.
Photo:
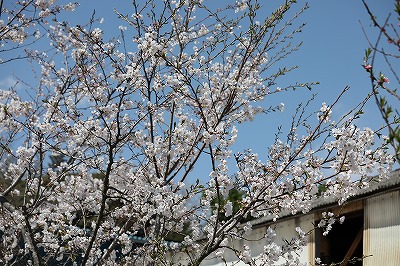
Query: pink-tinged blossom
(367,67)
(382,79)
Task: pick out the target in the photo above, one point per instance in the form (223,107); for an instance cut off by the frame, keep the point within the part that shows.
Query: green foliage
(321,189)
(56,160)
(235,196)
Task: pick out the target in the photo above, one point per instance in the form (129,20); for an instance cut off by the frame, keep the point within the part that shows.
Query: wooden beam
(352,248)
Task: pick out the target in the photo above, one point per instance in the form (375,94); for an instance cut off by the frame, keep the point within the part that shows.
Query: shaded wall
(284,230)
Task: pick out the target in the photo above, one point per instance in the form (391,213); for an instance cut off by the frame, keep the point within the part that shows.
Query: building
(371,230)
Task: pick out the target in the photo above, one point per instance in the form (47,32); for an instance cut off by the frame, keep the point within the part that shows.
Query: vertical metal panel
(382,230)
(307,225)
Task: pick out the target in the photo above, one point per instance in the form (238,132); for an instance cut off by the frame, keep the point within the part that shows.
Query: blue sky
(332,54)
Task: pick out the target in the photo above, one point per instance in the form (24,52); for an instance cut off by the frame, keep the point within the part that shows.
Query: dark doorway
(343,245)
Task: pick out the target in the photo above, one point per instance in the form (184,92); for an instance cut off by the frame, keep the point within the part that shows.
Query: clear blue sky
(332,53)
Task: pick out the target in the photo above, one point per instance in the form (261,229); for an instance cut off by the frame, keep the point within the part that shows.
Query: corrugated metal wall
(381,237)
(284,229)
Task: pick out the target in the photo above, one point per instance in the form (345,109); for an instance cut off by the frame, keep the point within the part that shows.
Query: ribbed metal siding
(381,237)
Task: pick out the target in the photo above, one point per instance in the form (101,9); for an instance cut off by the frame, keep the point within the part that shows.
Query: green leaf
(382,101)
(367,53)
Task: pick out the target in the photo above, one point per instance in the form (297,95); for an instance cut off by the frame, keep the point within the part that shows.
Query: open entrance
(343,245)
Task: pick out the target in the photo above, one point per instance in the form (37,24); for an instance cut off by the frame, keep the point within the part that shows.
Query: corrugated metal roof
(374,188)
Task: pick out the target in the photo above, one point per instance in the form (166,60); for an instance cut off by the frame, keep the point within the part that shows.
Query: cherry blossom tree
(131,116)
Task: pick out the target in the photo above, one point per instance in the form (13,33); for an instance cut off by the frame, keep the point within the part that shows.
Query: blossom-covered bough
(128,119)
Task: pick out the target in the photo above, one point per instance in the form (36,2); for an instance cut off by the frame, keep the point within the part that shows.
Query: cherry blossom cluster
(22,21)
